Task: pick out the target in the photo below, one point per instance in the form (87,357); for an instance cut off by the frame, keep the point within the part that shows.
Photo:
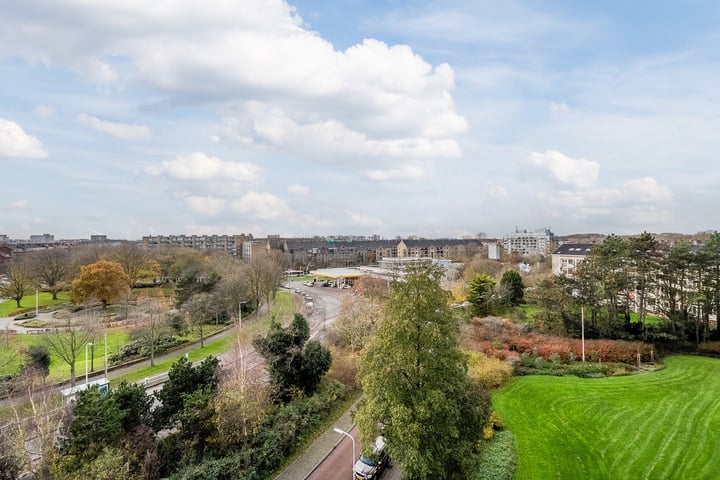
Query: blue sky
(130,118)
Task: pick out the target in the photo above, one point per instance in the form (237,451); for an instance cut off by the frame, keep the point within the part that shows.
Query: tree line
(624,281)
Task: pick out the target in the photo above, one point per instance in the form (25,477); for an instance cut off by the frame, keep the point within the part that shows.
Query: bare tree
(199,308)
(51,267)
(68,339)
(20,282)
(37,414)
(357,321)
(153,325)
(133,259)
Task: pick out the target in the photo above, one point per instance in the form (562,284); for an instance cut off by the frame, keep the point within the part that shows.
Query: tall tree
(512,286)
(480,293)
(153,324)
(610,258)
(673,277)
(184,379)
(68,339)
(711,250)
(103,281)
(20,283)
(643,256)
(294,361)
(415,381)
(51,267)
(133,259)
(264,277)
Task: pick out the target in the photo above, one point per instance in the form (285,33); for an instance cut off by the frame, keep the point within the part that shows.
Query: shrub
(489,372)
(498,458)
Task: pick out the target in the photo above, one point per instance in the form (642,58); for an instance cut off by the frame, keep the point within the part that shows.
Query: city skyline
(400,118)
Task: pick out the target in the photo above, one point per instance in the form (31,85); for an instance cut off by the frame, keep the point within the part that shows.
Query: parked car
(370,467)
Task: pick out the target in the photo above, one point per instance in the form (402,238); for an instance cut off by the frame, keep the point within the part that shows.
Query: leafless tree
(20,283)
(51,267)
(67,339)
(133,259)
(153,325)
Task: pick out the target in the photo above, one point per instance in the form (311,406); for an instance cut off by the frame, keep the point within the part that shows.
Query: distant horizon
(336,236)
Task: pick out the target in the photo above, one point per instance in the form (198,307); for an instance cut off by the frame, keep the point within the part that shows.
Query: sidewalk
(304,465)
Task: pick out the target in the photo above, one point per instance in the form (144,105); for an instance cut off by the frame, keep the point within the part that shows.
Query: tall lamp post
(352,464)
(86,362)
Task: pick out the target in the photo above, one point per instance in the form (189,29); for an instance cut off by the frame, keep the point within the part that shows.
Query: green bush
(139,348)
(275,440)
(498,458)
(577,369)
(25,316)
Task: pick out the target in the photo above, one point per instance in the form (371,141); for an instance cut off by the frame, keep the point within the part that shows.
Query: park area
(661,424)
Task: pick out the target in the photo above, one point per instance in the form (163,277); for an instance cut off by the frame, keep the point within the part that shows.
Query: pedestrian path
(304,465)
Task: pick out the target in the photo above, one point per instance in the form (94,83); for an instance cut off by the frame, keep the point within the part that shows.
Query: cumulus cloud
(297,189)
(201,166)
(332,138)
(263,206)
(15,143)
(579,173)
(191,52)
(123,131)
(19,204)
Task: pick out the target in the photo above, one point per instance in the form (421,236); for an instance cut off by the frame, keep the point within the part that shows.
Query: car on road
(370,467)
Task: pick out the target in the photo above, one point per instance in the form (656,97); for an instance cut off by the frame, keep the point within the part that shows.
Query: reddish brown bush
(491,336)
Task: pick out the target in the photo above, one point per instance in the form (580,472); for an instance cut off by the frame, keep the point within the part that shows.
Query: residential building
(529,243)
(567,257)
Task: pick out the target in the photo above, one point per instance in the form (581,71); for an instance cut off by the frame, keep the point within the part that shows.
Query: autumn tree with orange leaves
(101,281)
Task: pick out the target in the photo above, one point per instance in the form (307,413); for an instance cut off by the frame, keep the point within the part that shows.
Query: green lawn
(660,425)
(59,370)
(8,308)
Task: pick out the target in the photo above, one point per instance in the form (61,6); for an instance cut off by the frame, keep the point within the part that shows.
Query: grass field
(660,425)
(8,308)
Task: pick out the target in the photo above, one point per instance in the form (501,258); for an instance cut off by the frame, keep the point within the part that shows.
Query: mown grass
(14,346)
(9,308)
(664,424)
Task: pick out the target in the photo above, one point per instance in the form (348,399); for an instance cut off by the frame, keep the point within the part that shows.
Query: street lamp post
(352,463)
(86,362)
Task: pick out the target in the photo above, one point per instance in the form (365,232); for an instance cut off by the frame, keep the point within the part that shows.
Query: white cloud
(297,189)
(264,206)
(648,190)
(580,173)
(332,138)
(123,131)
(201,166)
(15,143)
(19,204)
(190,51)
(205,205)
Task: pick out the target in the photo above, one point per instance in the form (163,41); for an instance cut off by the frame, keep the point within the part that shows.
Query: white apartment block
(528,243)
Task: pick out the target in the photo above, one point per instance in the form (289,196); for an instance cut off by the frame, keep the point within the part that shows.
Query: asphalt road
(339,463)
